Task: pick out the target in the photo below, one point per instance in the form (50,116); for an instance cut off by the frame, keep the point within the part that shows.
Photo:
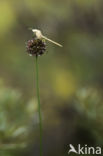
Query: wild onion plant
(37,47)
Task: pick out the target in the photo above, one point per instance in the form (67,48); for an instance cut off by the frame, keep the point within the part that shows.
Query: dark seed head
(36,47)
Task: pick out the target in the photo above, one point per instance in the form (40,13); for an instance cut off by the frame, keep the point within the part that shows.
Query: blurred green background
(71,78)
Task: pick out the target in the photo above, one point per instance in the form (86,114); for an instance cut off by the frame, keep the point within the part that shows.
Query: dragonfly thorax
(37,33)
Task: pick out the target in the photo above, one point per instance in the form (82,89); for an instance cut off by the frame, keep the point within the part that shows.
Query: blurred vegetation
(71,84)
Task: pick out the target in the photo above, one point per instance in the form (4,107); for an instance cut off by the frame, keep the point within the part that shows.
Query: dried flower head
(36,47)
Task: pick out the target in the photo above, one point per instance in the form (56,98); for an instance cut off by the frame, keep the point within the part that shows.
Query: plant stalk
(39,107)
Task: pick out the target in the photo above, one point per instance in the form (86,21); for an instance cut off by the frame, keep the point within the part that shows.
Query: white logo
(72,149)
(85,150)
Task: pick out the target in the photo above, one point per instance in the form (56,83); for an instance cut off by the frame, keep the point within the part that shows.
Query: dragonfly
(39,35)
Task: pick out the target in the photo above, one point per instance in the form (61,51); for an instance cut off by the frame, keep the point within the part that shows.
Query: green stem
(39,108)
